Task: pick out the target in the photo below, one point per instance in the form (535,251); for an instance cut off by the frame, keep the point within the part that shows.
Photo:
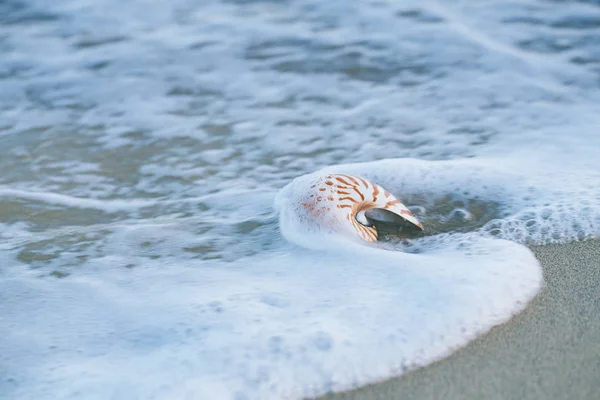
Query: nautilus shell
(357,207)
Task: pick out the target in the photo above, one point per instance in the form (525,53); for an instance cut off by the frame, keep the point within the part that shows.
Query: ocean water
(152,153)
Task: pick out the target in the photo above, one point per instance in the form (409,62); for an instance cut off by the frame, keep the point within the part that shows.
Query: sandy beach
(550,351)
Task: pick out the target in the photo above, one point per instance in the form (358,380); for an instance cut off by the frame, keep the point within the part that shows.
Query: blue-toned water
(143,145)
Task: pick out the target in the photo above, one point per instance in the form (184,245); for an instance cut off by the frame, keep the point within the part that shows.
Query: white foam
(70,201)
(286,323)
(294,324)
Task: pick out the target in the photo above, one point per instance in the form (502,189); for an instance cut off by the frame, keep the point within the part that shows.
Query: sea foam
(292,323)
(306,318)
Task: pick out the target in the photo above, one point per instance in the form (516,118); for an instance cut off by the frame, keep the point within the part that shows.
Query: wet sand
(550,351)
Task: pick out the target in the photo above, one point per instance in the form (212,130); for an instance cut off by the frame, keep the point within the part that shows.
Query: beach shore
(549,351)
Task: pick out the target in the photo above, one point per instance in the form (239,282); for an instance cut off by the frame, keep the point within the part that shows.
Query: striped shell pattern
(342,201)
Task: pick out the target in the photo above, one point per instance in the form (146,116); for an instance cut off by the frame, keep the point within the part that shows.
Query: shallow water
(142,145)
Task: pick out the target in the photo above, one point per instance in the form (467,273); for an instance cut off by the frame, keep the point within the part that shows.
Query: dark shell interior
(388,223)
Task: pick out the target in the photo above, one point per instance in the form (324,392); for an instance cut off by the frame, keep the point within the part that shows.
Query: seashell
(358,207)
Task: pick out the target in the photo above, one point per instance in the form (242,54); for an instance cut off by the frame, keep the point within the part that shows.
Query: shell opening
(387,222)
